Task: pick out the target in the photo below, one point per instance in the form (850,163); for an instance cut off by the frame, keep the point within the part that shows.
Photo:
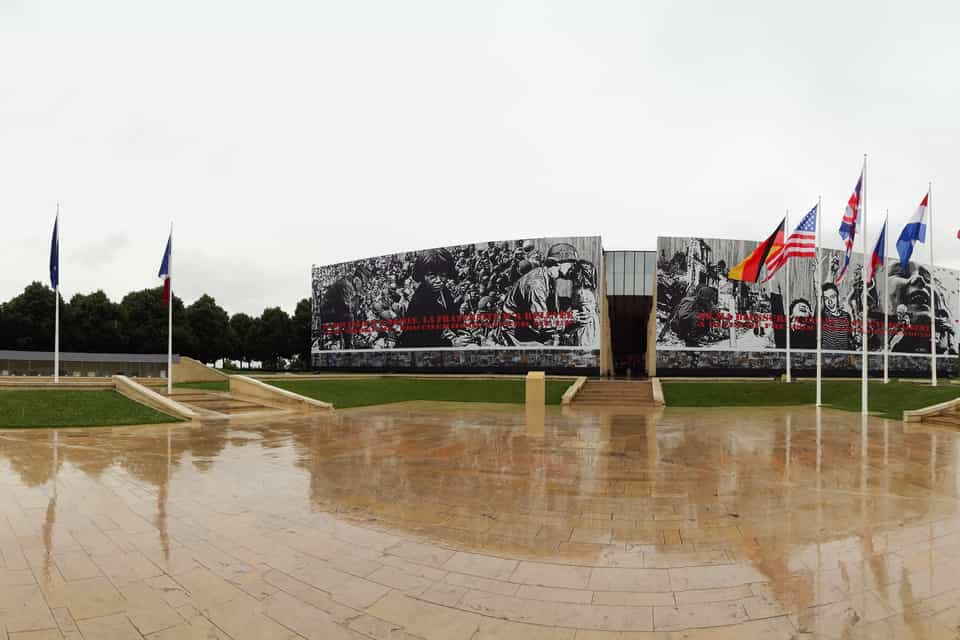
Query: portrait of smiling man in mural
(909,296)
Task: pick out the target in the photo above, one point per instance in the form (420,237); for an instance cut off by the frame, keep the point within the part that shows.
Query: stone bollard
(536,399)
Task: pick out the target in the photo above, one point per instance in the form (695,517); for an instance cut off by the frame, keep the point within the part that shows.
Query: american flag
(848,227)
(800,244)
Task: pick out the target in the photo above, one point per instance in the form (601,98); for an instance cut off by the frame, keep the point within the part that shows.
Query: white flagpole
(170,319)
(863,280)
(933,298)
(786,268)
(886,302)
(817,291)
(56,307)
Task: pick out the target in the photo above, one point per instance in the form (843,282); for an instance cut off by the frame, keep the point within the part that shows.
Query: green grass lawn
(369,391)
(219,385)
(72,408)
(887,400)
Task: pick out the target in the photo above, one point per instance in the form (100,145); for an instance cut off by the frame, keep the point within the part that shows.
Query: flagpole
(886,303)
(863,281)
(56,307)
(786,265)
(818,288)
(170,319)
(933,298)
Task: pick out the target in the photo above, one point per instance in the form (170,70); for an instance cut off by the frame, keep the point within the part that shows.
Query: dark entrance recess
(628,333)
(629,279)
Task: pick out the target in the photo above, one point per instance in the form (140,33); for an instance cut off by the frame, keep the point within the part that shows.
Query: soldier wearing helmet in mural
(528,306)
(342,302)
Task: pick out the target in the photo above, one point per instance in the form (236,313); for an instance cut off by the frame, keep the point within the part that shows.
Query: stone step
(614,403)
(218,401)
(615,393)
(637,389)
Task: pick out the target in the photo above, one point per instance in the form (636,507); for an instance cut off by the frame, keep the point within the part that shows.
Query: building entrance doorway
(629,316)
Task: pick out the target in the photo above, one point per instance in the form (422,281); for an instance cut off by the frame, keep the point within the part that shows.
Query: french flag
(915,230)
(165,270)
(879,253)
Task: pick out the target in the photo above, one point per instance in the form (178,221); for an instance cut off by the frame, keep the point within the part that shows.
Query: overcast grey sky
(280,134)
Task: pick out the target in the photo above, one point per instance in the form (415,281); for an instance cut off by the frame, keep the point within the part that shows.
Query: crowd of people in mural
(498,294)
(697,306)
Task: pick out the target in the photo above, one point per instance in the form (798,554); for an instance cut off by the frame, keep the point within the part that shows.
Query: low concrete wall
(145,396)
(190,370)
(917,415)
(657,391)
(247,388)
(573,390)
(12,382)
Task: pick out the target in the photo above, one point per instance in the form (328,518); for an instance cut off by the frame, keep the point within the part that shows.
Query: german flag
(749,270)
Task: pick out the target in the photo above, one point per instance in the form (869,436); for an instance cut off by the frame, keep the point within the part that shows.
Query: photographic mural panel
(537,296)
(707,320)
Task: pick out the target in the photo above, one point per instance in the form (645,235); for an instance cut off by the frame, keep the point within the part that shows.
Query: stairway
(616,393)
(217,402)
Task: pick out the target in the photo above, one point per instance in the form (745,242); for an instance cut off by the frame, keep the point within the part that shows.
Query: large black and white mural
(527,295)
(706,320)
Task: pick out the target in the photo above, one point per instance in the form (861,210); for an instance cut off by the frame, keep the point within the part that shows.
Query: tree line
(92,323)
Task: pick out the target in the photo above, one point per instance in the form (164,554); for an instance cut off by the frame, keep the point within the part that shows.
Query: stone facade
(765,363)
(585,362)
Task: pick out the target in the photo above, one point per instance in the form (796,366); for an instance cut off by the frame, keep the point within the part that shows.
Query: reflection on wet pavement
(449,521)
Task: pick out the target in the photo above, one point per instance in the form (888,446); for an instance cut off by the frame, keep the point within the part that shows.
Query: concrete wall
(82,365)
(516,361)
(246,388)
(141,394)
(190,370)
(768,363)
(573,390)
(652,334)
(606,339)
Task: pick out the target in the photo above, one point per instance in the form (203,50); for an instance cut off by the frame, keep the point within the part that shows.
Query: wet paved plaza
(449,522)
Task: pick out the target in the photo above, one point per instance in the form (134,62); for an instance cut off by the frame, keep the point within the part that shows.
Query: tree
(93,324)
(240,326)
(28,322)
(145,323)
(209,324)
(272,337)
(138,324)
(257,347)
(302,331)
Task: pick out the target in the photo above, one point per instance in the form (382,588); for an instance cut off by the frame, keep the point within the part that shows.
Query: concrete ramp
(247,398)
(945,414)
(256,391)
(151,398)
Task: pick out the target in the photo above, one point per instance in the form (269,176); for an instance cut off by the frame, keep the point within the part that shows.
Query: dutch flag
(914,231)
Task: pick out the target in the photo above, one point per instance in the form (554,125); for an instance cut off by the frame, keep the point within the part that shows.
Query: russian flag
(915,230)
(879,253)
(165,270)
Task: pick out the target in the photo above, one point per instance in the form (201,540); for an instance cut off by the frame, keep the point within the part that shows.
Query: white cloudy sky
(280,134)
